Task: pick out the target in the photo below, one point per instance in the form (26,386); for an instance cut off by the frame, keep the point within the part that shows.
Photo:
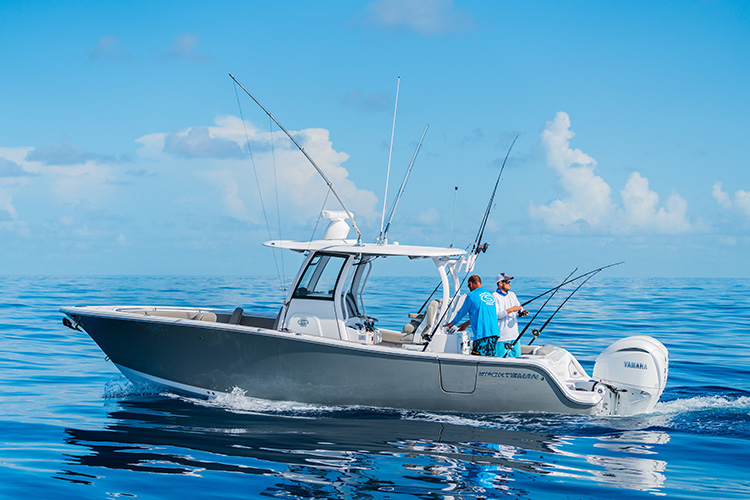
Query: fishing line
(309,158)
(320,214)
(276,184)
(257,183)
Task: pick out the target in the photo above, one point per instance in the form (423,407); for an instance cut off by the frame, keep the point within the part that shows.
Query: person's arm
(463,326)
(499,308)
(517,308)
(461,312)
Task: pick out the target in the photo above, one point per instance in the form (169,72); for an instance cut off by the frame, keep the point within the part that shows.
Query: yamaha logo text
(637,366)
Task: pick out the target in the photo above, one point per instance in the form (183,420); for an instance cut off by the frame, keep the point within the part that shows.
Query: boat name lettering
(638,366)
(534,376)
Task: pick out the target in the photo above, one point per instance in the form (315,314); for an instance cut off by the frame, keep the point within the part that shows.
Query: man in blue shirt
(480,304)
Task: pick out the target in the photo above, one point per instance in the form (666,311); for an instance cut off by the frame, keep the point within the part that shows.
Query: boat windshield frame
(318,272)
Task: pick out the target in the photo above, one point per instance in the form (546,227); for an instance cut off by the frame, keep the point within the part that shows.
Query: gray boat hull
(205,358)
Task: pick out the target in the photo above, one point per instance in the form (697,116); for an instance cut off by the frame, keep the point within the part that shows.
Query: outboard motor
(631,375)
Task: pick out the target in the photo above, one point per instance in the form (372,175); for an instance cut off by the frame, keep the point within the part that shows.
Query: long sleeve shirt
(507,323)
(480,305)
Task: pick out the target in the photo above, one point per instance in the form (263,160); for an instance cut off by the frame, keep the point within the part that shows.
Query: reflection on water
(345,452)
(618,467)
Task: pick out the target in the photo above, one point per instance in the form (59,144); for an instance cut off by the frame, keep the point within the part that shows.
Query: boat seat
(194,315)
(236,316)
(537,350)
(394,337)
(422,321)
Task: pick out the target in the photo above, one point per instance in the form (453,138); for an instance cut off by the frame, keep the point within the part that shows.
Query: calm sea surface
(72,427)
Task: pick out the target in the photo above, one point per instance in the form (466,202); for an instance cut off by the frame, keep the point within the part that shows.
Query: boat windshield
(320,277)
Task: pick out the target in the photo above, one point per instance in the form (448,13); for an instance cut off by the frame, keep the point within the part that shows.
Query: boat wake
(120,387)
(238,402)
(704,403)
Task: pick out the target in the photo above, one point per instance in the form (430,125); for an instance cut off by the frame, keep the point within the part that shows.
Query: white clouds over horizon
(273,159)
(589,206)
(740,203)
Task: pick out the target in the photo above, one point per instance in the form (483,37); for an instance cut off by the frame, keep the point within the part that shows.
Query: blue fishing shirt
(480,304)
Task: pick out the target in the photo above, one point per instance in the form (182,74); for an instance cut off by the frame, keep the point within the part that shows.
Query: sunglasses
(506,281)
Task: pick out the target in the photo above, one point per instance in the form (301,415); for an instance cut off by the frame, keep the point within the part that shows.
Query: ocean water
(72,427)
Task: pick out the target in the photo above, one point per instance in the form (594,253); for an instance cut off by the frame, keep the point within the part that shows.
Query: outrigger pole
(388,170)
(383,237)
(320,171)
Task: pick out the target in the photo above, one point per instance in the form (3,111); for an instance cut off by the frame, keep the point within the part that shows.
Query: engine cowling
(634,372)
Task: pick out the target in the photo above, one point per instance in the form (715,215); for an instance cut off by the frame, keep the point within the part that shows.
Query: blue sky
(121,138)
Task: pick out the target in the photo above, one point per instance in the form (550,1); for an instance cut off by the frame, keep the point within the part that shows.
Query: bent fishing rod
(518,338)
(320,171)
(535,332)
(594,271)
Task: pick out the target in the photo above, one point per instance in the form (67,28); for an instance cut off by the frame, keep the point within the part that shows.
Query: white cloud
(232,171)
(66,154)
(10,168)
(232,201)
(7,210)
(642,208)
(197,142)
(60,173)
(740,202)
(427,17)
(588,205)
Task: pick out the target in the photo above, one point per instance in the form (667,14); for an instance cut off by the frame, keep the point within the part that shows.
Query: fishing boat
(323,348)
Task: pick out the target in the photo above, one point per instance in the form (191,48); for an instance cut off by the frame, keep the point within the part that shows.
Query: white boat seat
(422,321)
(394,337)
(537,350)
(194,315)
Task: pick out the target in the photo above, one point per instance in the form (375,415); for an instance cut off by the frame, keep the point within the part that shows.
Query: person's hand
(523,312)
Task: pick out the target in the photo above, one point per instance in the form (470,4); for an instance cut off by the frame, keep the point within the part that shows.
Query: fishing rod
(535,315)
(477,247)
(538,332)
(320,171)
(571,281)
(383,237)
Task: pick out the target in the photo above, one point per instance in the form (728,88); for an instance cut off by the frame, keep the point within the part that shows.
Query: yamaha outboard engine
(631,375)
